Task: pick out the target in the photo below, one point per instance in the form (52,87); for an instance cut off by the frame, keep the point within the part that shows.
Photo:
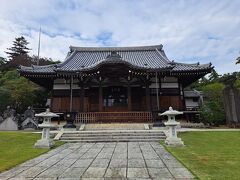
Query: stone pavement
(122,160)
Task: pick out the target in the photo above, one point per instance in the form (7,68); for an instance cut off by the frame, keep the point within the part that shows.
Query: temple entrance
(115,98)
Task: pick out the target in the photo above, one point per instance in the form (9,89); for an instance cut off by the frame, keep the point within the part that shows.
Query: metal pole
(71,82)
(39,41)
(157,92)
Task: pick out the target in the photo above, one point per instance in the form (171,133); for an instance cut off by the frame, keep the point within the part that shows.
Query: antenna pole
(39,41)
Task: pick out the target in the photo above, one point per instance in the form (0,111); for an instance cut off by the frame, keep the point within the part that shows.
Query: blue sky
(190,30)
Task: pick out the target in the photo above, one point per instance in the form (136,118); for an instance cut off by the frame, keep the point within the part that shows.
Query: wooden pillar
(71,94)
(181,103)
(148,105)
(156,79)
(183,98)
(129,98)
(160,91)
(82,94)
(100,95)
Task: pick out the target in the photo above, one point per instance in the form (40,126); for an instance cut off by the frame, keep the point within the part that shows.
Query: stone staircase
(114,126)
(113,136)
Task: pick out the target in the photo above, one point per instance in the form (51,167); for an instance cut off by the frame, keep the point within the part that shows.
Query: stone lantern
(45,142)
(172,138)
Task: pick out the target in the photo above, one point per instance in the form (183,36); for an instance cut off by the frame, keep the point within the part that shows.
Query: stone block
(52,172)
(82,163)
(116,173)
(103,163)
(174,141)
(73,172)
(94,172)
(136,163)
(151,163)
(44,143)
(181,173)
(118,163)
(31,172)
(9,124)
(137,173)
(161,173)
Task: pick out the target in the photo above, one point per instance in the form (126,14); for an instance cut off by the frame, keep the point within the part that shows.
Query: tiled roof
(192,93)
(142,57)
(190,67)
(38,69)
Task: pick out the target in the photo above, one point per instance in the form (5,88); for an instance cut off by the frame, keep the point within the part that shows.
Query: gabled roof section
(83,59)
(143,57)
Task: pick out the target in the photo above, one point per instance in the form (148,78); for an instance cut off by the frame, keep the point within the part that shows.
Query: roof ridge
(67,59)
(163,55)
(130,48)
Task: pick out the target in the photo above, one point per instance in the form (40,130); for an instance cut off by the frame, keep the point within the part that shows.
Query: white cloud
(190,31)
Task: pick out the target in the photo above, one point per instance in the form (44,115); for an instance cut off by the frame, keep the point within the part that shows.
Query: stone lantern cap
(47,114)
(171,112)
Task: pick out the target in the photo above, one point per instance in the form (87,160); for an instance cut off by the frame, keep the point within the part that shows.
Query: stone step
(114,126)
(113,131)
(113,134)
(113,140)
(114,137)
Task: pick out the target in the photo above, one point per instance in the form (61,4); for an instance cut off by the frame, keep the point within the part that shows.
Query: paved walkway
(72,161)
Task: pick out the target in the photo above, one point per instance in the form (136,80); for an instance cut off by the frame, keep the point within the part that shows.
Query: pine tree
(238,60)
(2,61)
(214,76)
(19,48)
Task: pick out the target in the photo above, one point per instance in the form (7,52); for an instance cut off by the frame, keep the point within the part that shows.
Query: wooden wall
(166,101)
(174,101)
(61,104)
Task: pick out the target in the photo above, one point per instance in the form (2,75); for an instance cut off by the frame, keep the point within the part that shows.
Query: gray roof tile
(142,57)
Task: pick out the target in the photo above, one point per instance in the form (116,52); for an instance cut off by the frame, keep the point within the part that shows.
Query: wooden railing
(113,117)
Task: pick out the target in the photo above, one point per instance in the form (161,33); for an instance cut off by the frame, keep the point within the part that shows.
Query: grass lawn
(17,147)
(210,155)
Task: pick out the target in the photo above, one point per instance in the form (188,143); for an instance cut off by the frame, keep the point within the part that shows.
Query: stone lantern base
(44,143)
(174,141)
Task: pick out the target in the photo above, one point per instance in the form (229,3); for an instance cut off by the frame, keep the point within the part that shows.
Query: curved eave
(207,70)
(192,68)
(103,62)
(37,74)
(37,70)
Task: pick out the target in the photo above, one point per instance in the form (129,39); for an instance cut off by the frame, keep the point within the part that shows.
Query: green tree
(237,84)
(23,93)
(229,79)
(212,110)
(6,99)
(19,48)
